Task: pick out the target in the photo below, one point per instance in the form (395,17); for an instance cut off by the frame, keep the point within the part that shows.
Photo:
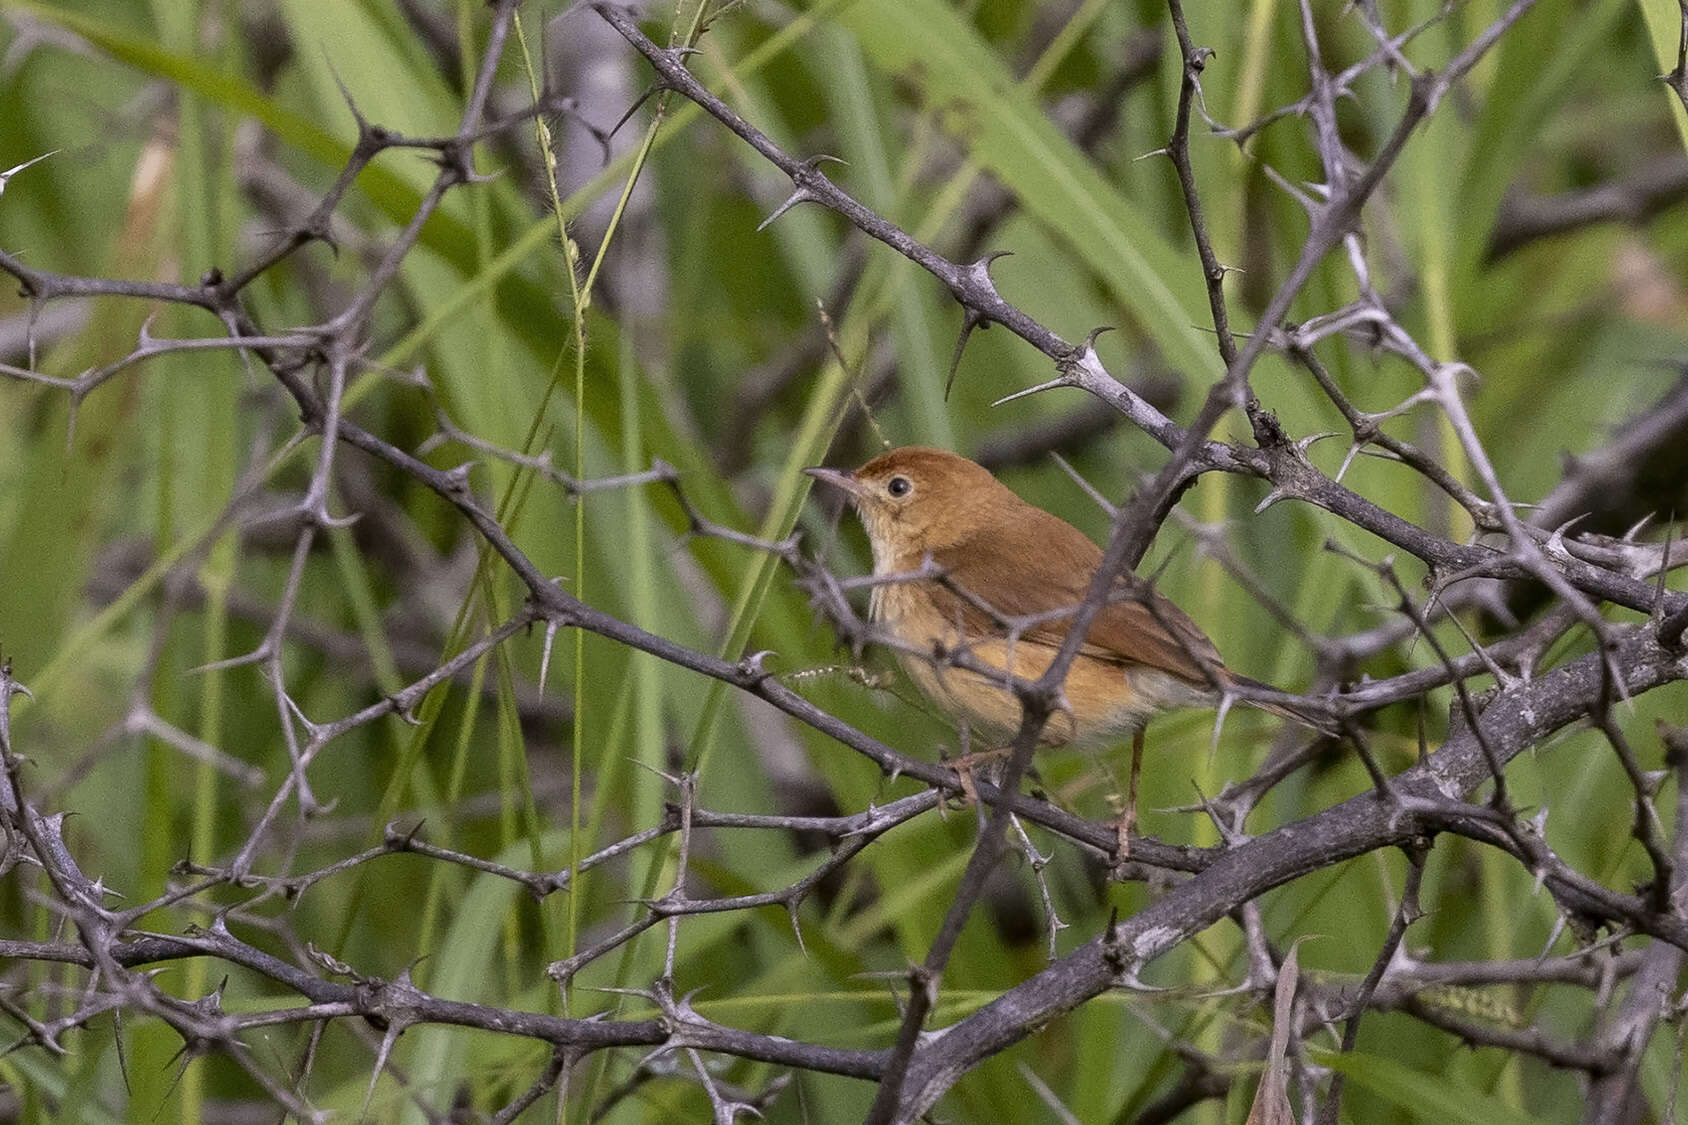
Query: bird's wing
(1038,563)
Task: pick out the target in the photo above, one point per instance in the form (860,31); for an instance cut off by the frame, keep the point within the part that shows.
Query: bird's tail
(1308,713)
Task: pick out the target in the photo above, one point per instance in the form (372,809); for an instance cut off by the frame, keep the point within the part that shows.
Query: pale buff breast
(1105,701)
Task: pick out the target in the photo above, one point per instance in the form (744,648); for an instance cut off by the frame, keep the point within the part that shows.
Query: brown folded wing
(1037,563)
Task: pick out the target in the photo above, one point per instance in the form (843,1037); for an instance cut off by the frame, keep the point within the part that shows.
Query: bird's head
(914,500)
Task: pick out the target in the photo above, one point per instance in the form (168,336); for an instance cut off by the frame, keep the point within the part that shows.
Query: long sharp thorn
(801,195)
(6,176)
(969,322)
(1049,386)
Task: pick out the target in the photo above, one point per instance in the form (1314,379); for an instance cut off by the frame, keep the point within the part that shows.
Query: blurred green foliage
(152,107)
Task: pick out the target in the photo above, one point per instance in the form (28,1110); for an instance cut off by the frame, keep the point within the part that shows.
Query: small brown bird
(1141,655)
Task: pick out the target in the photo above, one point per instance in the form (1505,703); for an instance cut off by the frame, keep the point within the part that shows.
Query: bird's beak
(838,478)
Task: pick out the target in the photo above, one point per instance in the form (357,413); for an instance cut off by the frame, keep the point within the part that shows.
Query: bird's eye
(899,486)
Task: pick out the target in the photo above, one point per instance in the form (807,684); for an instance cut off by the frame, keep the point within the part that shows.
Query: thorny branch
(1531,699)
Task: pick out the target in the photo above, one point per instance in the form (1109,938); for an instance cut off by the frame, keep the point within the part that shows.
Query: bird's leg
(1127,821)
(964,774)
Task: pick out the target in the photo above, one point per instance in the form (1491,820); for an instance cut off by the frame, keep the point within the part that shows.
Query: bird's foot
(964,766)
